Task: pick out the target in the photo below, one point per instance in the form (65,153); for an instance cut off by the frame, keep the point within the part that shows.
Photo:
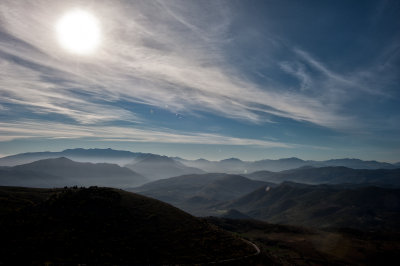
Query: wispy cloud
(155,53)
(342,92)
(358,80)
(298,70)
(52,130)
(170,55)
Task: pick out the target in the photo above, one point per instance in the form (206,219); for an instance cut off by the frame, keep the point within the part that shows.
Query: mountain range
(78,155)
(232,165)
(61,172)
(344,197)
(307,195)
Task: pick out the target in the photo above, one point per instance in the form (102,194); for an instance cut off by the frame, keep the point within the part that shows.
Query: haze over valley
(184,132)
(326,197)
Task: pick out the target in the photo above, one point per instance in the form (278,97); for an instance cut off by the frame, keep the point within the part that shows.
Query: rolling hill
(106,226)
(65,172)
(323,206)
(194,193)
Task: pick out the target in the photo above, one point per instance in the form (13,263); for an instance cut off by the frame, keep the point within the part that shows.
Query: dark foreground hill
(61,172)
(105,226)
(293,245)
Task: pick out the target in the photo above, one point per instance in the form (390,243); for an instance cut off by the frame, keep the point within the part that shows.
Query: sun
(78,32)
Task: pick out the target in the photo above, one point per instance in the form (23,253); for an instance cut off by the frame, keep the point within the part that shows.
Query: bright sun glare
(78,32)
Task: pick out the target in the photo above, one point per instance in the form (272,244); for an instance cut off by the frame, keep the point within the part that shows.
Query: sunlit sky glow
(212,79)
(78,32)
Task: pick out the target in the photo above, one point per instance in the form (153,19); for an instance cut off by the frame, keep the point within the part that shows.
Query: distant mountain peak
(76,149)
(157,158)
(63,158)
(90,149)
(231,160)
(204,160)
(54,160)
(158,166)
(293,159)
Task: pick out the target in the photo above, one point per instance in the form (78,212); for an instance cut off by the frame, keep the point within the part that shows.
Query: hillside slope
(105,226)
(196,194)
(293,245)
(323,206)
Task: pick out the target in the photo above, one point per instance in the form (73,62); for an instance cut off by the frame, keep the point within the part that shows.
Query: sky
(205,79)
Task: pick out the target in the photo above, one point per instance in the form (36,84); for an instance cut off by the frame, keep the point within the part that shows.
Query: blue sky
(211,79)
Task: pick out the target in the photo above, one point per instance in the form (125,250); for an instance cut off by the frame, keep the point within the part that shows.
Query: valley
(330,215)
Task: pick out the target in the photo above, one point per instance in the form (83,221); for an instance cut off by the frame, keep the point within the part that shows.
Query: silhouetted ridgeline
(105,226)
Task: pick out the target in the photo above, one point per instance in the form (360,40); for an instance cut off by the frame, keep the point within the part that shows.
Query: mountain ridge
(157,167)
(122,157)
(78,154)
(332,175)
(234,166)
(65,172)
